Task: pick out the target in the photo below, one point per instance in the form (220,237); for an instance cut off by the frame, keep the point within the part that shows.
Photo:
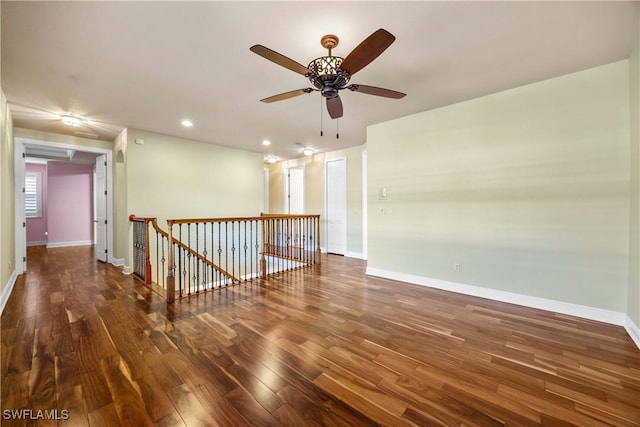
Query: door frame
(326,202)
(19,170)
(365,224)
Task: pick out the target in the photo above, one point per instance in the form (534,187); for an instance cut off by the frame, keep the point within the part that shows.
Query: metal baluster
(213,270)
(163,259)
(233,250)
(245,249)
(196,263)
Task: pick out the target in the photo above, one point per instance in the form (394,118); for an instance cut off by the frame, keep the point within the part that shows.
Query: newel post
(171,280)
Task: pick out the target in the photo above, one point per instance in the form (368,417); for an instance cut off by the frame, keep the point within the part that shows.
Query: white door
(21,219)
(100,194)
(295,191)
(337,206)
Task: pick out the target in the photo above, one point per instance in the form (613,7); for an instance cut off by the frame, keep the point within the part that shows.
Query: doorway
(58,151)
(336,172)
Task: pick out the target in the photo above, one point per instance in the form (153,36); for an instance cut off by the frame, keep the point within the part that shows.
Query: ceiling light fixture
(71,121)
(187,123)
(307,151)
(266,142)
(271,159)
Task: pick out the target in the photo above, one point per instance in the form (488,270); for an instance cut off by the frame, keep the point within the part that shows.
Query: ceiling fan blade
(279,59)
(377,91)
(334,107)
(367,51)
(286,95)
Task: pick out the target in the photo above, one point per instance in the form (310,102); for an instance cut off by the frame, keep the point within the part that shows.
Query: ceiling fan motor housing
(327,76)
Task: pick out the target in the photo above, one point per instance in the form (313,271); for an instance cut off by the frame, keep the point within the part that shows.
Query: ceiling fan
(331,74)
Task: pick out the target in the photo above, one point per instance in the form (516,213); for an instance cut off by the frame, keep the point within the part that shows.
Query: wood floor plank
(125,393)
(325,345)
(71,400)
(190,409)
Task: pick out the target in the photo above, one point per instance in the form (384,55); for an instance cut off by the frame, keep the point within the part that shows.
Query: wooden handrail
(237,219)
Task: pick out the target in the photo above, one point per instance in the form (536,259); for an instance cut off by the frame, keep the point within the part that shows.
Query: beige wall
(527,189)
(314,179)
(170,177)
(7,196)
(633,298)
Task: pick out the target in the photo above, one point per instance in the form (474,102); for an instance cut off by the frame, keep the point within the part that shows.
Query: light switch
(382,193)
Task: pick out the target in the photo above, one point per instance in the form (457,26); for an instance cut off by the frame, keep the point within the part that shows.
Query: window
(33,194)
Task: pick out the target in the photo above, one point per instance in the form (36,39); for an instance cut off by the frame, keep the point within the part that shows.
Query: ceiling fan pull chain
(337,129)
(321,133)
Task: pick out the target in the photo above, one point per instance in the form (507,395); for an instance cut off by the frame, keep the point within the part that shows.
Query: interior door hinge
(106,251)
(105,192)
(24,224)
(105,163)
(24,155)
(24,259)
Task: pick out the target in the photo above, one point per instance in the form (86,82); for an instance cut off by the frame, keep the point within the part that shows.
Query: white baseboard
(126,269)
(357,255)
(118,262)
(633,330)
(592,313)
(66,244)
(4,297)
(37,243)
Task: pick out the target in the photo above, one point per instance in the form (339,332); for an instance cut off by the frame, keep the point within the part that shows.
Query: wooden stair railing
(210,253)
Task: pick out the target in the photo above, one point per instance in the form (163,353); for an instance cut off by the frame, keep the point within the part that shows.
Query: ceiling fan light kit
(331,74)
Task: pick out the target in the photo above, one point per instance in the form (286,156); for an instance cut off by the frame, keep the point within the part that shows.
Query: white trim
(365,209)
(20,225)
(7,291)
(126,269)
(66,244)
(592,313)
(42,243)
(118,262)
(633,330)
(21,243)
(357,255)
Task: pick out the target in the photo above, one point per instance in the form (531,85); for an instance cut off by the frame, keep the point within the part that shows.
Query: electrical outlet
(456,267)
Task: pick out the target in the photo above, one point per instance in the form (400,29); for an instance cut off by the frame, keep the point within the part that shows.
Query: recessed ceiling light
(307,151)
(272,159)
(266,142)
(71,121)
(187,123)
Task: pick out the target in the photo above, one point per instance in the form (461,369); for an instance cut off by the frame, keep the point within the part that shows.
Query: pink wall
(37,227)
(70,203)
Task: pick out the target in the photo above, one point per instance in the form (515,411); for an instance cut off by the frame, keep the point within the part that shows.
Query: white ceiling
(148,65)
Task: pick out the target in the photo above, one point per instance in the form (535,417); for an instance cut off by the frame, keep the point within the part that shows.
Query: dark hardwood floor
(320,346)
